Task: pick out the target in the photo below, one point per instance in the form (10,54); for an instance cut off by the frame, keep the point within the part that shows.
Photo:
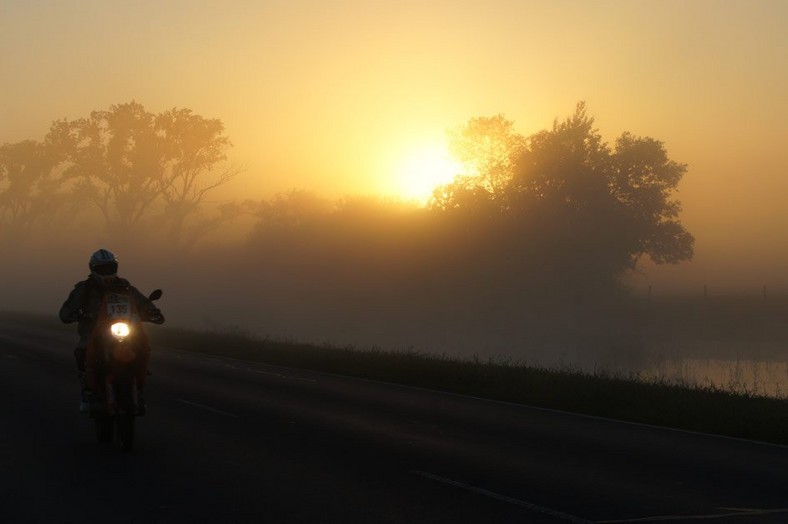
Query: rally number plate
(118,306)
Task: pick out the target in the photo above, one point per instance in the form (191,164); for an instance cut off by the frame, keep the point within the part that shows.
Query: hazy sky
(342,96)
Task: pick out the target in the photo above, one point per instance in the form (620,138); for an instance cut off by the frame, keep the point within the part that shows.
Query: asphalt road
(234,441)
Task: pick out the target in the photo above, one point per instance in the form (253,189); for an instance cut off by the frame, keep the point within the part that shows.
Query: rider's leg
(82,376)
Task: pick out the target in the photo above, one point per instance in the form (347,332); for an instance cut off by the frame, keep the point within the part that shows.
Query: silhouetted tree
(489,150)
(563,203)
(117,161)
(193,147)
(125,160)
(620,200)
(30,188)
(643,180)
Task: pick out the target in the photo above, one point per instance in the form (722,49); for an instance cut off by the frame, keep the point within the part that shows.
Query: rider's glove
(83,315)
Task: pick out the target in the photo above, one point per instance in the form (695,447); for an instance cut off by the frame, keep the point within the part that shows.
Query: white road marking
(208,408)
(11,356)
(491,494)
(733,512)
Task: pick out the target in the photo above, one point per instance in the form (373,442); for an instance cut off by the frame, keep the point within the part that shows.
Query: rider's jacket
(84,302)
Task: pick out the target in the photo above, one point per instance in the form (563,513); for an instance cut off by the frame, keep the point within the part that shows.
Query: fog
(560,249)
(372,273)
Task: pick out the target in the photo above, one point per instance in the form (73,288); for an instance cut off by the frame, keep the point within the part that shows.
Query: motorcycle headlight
(119,330)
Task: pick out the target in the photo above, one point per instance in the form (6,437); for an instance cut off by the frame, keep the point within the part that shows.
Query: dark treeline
(529,246)
(558,214)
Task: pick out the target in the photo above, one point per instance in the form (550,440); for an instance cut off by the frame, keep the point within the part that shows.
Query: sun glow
(424,169)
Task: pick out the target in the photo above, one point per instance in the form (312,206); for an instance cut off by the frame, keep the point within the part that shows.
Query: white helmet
(103,266)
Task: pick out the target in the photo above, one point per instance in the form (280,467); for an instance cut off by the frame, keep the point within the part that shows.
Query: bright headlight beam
(119,330)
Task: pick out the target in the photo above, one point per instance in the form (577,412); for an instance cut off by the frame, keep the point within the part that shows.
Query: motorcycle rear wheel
(105,427)
(125,431)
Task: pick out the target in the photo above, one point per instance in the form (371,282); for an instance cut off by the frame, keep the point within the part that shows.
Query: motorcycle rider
(83,304)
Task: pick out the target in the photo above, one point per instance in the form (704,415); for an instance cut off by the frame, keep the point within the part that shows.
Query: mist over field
(732,340)
(539,254)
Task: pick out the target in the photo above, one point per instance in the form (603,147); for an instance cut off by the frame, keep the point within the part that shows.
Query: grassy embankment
(703,409)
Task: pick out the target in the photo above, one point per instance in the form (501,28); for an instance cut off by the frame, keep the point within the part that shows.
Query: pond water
(754,377)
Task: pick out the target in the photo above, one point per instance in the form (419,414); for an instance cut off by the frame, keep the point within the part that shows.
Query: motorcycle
(117,358)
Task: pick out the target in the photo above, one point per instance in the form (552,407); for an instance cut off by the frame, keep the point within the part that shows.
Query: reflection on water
(764,378)
(752,377)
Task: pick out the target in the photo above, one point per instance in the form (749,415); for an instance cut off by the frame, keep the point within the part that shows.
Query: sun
(423,169)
